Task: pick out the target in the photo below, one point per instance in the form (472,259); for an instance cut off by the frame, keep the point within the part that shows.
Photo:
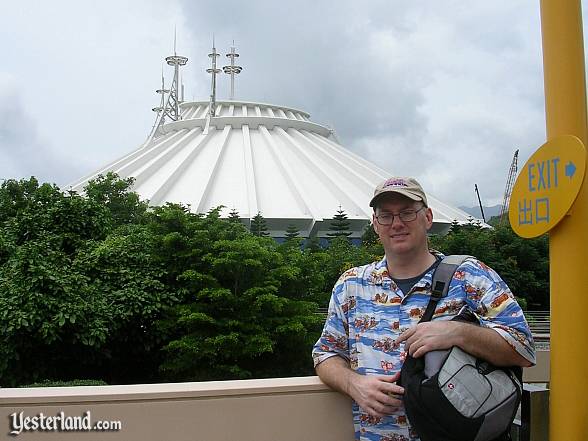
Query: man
(374,311)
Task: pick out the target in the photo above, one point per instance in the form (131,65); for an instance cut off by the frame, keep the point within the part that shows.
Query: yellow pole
(565,109)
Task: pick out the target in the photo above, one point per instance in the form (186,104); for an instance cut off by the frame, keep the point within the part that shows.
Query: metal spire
(172,107)
(213,70)
(169,108)
(180,79)
(232,70)
(161,92)
(160,117)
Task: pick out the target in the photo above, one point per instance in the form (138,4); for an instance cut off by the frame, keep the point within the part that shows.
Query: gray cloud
(85,73)
(318,56)
(23,153)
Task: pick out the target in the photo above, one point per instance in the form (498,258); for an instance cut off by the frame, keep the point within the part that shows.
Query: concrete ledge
(285,409)
(162,391)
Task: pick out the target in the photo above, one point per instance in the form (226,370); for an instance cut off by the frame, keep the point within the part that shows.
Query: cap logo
(395,183)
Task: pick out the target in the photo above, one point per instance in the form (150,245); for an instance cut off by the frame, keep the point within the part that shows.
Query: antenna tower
(169,108)
(232,70)
(213,70)
(159,119)
(509,184)
(172,108)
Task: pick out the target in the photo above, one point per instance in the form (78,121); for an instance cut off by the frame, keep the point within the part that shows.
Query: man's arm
(482,342)
(503,337)
(375,394)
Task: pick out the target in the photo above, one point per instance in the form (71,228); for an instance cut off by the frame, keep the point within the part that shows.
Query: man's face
(402,238)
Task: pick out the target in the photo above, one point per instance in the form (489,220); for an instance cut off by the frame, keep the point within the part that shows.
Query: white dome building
(255,158)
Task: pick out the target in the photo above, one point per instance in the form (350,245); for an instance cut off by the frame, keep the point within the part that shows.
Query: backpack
(450,395)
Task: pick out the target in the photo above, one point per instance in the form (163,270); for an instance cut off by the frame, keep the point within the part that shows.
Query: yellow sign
(547,186)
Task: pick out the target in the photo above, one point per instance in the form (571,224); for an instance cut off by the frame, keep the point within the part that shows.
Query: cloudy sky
(442,90)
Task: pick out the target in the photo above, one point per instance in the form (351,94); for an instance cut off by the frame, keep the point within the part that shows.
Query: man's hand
(377,395)
(478,341)
(431,336)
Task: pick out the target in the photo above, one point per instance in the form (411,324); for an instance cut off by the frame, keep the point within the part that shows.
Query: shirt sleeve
(488,296)
(334,339)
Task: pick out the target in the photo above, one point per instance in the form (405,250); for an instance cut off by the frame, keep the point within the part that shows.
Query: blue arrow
(570,169)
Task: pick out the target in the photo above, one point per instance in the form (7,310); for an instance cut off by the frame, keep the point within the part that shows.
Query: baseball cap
(408,187)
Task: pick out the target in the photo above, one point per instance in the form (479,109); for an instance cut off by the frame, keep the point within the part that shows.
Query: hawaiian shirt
(368,311)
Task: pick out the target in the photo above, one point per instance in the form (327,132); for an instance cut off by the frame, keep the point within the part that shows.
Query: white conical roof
(255,157)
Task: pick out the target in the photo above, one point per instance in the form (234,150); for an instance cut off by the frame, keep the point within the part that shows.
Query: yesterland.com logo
(61,423)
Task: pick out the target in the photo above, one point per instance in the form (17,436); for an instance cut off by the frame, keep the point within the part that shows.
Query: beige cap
(408,187)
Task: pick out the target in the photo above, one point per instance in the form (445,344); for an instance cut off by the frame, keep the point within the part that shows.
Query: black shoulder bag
(450,395)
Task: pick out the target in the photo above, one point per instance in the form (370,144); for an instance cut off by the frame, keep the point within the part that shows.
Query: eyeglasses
(404,216)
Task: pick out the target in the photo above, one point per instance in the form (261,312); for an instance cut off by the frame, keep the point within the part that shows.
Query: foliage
(369,237)
(239,324)
(77,293)
(339,225)
(292,232)
(313,244)
(234,216)
(114,193)
(254,334)
(71,383)
(258,225)
(522,263)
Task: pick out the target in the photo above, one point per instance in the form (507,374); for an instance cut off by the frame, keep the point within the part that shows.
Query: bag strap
(440,282)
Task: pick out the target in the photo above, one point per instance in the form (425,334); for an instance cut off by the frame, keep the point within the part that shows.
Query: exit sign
(547,186)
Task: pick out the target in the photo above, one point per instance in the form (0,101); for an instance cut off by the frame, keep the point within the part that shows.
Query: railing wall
(289,409)
(284,409)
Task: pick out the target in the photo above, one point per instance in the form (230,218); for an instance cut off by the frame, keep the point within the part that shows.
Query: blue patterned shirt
(368,311)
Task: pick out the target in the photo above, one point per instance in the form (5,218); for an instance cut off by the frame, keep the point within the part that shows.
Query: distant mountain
(488,211)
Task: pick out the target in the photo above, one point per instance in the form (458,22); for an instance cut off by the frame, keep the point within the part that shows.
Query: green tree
(240,326)
(61,311)
(292,233)
(522,263)
(313,244)
(293,238)
(339,225)
(369,237)
(234,216)
(115,193)
(258,225)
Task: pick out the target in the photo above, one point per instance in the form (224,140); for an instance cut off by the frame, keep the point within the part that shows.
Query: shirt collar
(384,279)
